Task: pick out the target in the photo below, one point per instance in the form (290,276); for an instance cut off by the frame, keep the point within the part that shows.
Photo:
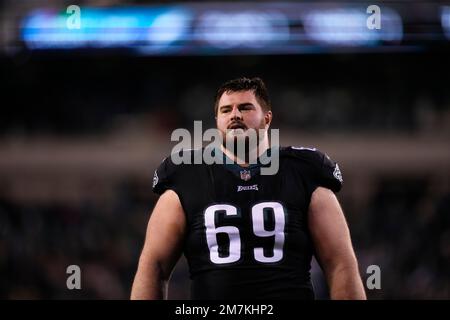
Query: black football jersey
(247,233)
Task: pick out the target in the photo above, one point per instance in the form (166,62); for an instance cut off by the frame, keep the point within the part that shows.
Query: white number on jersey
(234,236)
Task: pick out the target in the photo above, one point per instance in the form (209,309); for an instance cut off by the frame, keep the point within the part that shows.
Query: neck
(253,154)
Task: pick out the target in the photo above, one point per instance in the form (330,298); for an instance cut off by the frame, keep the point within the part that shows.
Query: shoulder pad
(326,171)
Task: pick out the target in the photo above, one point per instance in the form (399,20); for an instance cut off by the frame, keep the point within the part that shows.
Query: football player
(244,234)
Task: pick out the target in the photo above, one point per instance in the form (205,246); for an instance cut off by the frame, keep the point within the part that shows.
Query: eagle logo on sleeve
(155,179)
(337,173)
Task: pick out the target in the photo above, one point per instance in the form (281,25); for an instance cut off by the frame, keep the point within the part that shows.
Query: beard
(242,141)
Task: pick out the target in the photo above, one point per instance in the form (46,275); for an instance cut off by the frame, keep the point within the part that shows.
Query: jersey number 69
(234,236)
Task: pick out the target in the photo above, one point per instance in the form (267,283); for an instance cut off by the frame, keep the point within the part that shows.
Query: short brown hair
(245,84)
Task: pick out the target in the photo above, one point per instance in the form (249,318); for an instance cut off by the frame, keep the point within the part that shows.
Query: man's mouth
(237,125)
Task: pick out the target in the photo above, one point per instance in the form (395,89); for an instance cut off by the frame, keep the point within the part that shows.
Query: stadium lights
(210,28)
(445,20)
(106,27)
(348,27)
(236,29)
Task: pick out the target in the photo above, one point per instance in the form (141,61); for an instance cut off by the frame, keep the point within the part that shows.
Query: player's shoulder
(181,160)
(174,167)
(308,154)
(314,160)
(183,157)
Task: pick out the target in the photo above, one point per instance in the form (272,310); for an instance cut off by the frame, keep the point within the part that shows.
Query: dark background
(82,131)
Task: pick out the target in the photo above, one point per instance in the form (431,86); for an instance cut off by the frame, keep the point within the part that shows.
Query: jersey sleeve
(330,175)
(164,177)
(319,170)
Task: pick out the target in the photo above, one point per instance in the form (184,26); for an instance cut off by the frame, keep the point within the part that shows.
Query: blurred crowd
(329,93)
(406,231)
(39,242)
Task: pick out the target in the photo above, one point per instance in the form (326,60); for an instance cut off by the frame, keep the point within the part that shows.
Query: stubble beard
(243,139)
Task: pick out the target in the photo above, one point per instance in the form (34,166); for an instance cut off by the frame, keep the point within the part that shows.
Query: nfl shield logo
(245,175)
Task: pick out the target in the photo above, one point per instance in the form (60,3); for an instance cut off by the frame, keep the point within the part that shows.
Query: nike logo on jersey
(247,188)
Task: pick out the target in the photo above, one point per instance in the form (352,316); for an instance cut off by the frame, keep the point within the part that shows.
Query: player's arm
(162,248)
(333,246)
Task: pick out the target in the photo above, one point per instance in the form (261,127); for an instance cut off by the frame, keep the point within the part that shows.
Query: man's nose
(235,113)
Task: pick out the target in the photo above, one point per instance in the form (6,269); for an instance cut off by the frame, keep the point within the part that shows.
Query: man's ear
(268,118)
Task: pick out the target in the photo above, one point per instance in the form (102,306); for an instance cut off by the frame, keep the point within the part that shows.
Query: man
(244,234)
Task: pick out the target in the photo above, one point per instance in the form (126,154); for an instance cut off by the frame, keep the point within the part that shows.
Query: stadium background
(82,130)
